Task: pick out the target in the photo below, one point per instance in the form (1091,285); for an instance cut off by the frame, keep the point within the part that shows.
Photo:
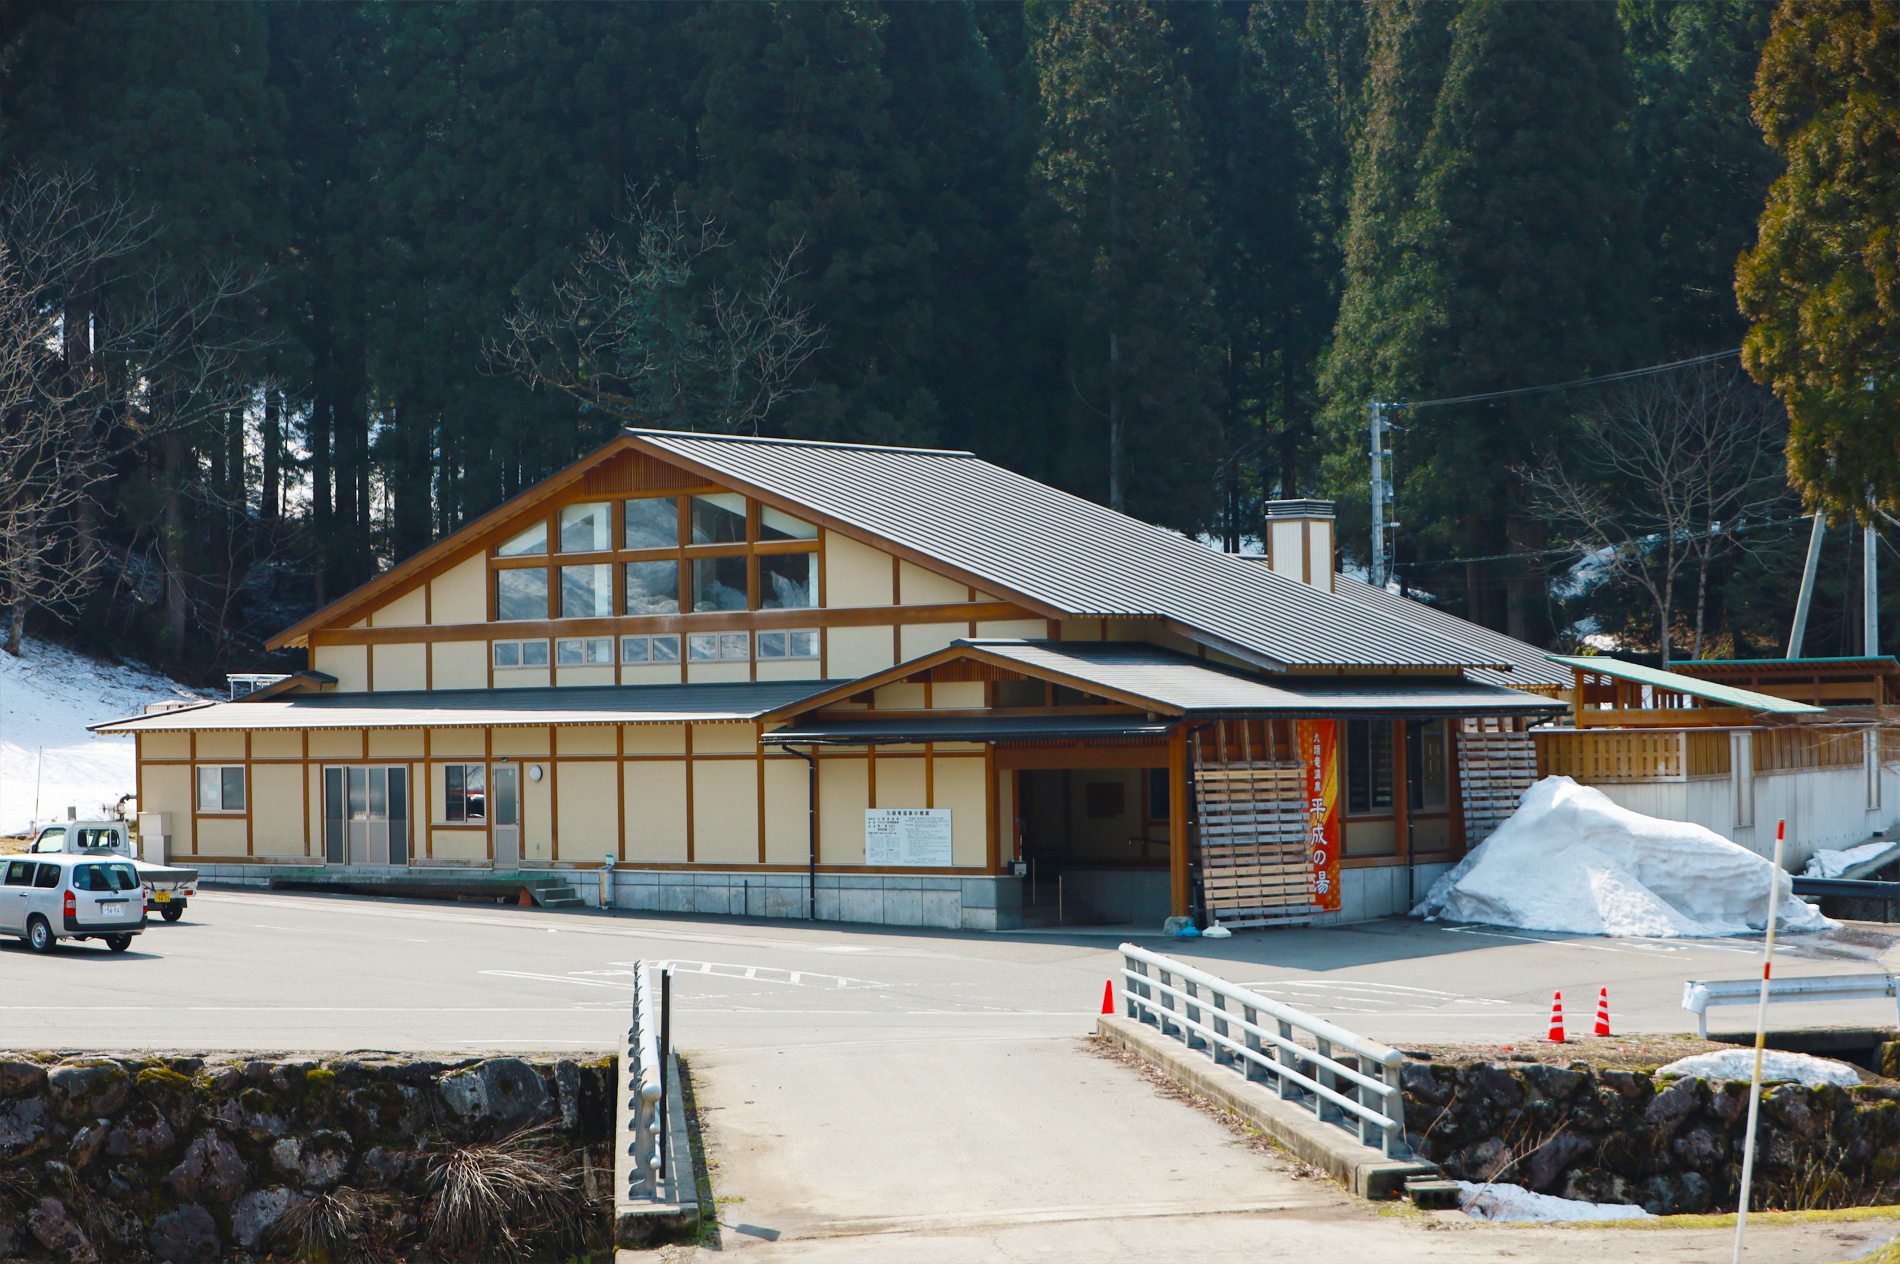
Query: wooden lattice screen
(1494,768)
(1252,830)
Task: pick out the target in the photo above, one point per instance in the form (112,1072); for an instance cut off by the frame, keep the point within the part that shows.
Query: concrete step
(562,896)
(1432,1193)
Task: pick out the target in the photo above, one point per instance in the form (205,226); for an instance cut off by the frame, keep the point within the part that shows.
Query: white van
(167,888)
(44,899)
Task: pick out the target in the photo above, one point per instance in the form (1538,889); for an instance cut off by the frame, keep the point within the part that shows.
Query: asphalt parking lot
(872,1094)
(247,970)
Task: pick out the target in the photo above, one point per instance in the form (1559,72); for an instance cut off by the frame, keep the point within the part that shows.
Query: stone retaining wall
(1617,1136)
(192,1158)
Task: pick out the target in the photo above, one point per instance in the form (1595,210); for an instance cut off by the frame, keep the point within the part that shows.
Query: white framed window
(719,647)
(650,649)
(465,793)
(588,651)
(521,653)
(800,643)
(221,788)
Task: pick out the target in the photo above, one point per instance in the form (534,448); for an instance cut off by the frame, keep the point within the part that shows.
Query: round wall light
(534,773)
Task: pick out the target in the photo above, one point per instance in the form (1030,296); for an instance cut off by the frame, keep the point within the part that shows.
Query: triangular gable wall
(619,468)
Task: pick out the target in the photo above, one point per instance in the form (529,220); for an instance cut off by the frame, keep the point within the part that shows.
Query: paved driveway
(875,1094)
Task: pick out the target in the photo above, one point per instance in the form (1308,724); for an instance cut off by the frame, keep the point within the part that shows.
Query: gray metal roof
(1708,690)
(869,729)
(1069,554)
(484,708)
(1530,667)
(1182,685)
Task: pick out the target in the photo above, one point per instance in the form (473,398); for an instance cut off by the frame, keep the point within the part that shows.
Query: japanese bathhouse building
(870,684)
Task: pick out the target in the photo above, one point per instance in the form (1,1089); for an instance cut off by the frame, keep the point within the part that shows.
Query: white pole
(1761,1040)
(1870,590)
(1798,637)
(39,775)
(1375,414)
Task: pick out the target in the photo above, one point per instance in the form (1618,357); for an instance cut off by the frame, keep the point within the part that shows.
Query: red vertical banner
(1319,751)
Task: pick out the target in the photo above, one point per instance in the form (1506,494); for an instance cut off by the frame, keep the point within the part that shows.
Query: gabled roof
(1062,554)
(1163,681)
(484,708)
(1708,690)
(1530,666)
(1056,554)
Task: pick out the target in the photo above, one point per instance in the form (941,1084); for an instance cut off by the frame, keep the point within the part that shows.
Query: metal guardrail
(643,1083)
(1242,1028)
(1887,893)
(1699,994)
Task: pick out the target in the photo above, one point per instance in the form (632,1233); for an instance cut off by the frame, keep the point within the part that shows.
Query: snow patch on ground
(47,699)
(1514,1202)
(1570,859)
(1832,864)
(1739,1064)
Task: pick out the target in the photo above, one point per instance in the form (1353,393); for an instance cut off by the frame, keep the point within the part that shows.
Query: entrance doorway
(506,824)
(366,815)
(1094,842)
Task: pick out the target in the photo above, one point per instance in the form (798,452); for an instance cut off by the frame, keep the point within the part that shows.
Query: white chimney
(1300,540)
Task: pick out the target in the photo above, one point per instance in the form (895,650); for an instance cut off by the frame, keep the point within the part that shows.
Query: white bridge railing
(643,1090)
(1698,995)
(1359,1093)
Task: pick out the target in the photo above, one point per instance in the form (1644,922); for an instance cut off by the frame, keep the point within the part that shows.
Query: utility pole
(1381,491)
(1798,637)
(1869,590)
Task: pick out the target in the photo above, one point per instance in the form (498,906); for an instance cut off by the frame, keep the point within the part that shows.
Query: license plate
(113,908)
(163,897)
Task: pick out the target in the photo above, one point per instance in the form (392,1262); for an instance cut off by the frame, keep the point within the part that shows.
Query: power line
(1565,550)
(1582,381)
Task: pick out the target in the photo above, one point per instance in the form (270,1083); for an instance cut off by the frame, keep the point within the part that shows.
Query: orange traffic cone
(1603,1011)
(1108,996)
(1557,1017)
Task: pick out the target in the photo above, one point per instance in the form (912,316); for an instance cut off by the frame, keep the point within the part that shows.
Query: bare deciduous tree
(636,337)
(1662,478)
(96,356)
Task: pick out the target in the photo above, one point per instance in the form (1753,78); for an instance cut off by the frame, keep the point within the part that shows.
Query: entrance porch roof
(1164,683)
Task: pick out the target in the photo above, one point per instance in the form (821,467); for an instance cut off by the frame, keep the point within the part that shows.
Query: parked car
(47,898)
(167,888)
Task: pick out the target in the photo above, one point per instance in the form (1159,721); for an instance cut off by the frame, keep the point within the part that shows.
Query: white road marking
(761,974)
(1631,945)
(331,930)
(559,978)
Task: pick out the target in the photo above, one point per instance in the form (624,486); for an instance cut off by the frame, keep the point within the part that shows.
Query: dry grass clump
(338,1226)
(513,1198)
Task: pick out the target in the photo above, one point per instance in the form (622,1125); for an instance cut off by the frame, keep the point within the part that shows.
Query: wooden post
(1178,792)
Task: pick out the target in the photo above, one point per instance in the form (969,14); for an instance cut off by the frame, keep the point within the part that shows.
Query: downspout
(811,808)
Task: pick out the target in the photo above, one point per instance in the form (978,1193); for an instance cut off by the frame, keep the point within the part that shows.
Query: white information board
(907,836)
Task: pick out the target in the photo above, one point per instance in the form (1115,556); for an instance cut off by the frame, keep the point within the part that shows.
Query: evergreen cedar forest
(292,289)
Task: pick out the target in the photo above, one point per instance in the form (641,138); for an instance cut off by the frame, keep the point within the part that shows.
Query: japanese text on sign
(907,836)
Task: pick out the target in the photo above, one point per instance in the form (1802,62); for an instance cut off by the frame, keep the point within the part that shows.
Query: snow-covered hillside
(46,701)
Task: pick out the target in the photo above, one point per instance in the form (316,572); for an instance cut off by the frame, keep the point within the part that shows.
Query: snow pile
(1739,1064)
(46,701)
(1571,860)
(1832,864)
(1514,1202)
